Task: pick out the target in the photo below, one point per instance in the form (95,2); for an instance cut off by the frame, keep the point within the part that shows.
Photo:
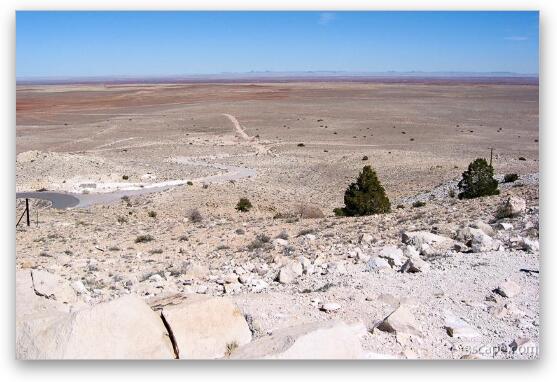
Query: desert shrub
(240,231)
(365,157)
(478,181)
(259,242)
(418,204)
(306,231)
(122,219)
(521,158)
(125,177)
(509,178)
(301,145)
(152,214)
(365,197)
(144,238)
(400,206)
(157,251)
(195,216)
(189,183)
(283,235)
(309,212)
(244,205)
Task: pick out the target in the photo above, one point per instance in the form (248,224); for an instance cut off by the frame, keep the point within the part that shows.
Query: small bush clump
(509,178)
(189,183)
(478,181)
(418,204)
(125,177)
(259,242)
(144,238)
(365,197)
(152,214)
(365,157)
(244,205)
(195,216)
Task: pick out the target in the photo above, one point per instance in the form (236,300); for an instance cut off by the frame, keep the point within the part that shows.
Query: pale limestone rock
(508,289)
(458,328)
(203,327)
(393,255)
(125,328)
(414,265)
(289,272)
(400,321)
(52,286)
(321,340)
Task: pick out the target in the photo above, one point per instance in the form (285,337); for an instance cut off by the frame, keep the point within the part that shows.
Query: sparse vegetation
(125,177)
(365,197)
(144,238)
(478,181)
(157,251)
(365,157)
(509,178)
(152,214)
(283,235)
(301,145)
(195,216)
(122,219)
(418,204)
(244,205)
(259,242)
(309,212)
(230,347)
(189,183)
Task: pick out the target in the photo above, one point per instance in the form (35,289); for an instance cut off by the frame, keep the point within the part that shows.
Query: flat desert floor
(168,163)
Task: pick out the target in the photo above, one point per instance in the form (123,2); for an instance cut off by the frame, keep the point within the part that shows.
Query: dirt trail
(260,149)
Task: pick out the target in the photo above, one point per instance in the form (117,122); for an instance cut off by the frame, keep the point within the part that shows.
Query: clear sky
(179,43)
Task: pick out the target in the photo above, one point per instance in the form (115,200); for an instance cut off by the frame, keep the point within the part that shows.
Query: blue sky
(73,44)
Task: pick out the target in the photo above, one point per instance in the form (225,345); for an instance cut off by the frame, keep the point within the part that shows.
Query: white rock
(125,328)
(486,228)
(393,255)
(458,328)
(366,238)
(203,327)
(280,243)
(400,321)
(377,264)
(505,226)
(508,289)
(78,287)
(477,240)
(330,307)
(321,340)
(289,272)
(425,241)
(52,286)
(414,265)
(410,251)
(511,207)
(529,245)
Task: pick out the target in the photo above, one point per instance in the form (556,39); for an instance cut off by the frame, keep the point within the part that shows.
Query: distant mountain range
(310,76)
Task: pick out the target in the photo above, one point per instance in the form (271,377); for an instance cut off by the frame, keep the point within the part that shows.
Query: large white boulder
(401,321)
(477,240)
(289,272)
(125,328)
(427,243)
(320,340)
(205,327)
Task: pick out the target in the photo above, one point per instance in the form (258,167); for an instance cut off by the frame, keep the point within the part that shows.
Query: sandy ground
(283,146)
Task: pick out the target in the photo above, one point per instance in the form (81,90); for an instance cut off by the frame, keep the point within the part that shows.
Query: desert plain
(154,242)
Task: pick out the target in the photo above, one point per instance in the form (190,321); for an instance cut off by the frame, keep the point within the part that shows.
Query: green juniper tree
(365,197)
(478,181)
